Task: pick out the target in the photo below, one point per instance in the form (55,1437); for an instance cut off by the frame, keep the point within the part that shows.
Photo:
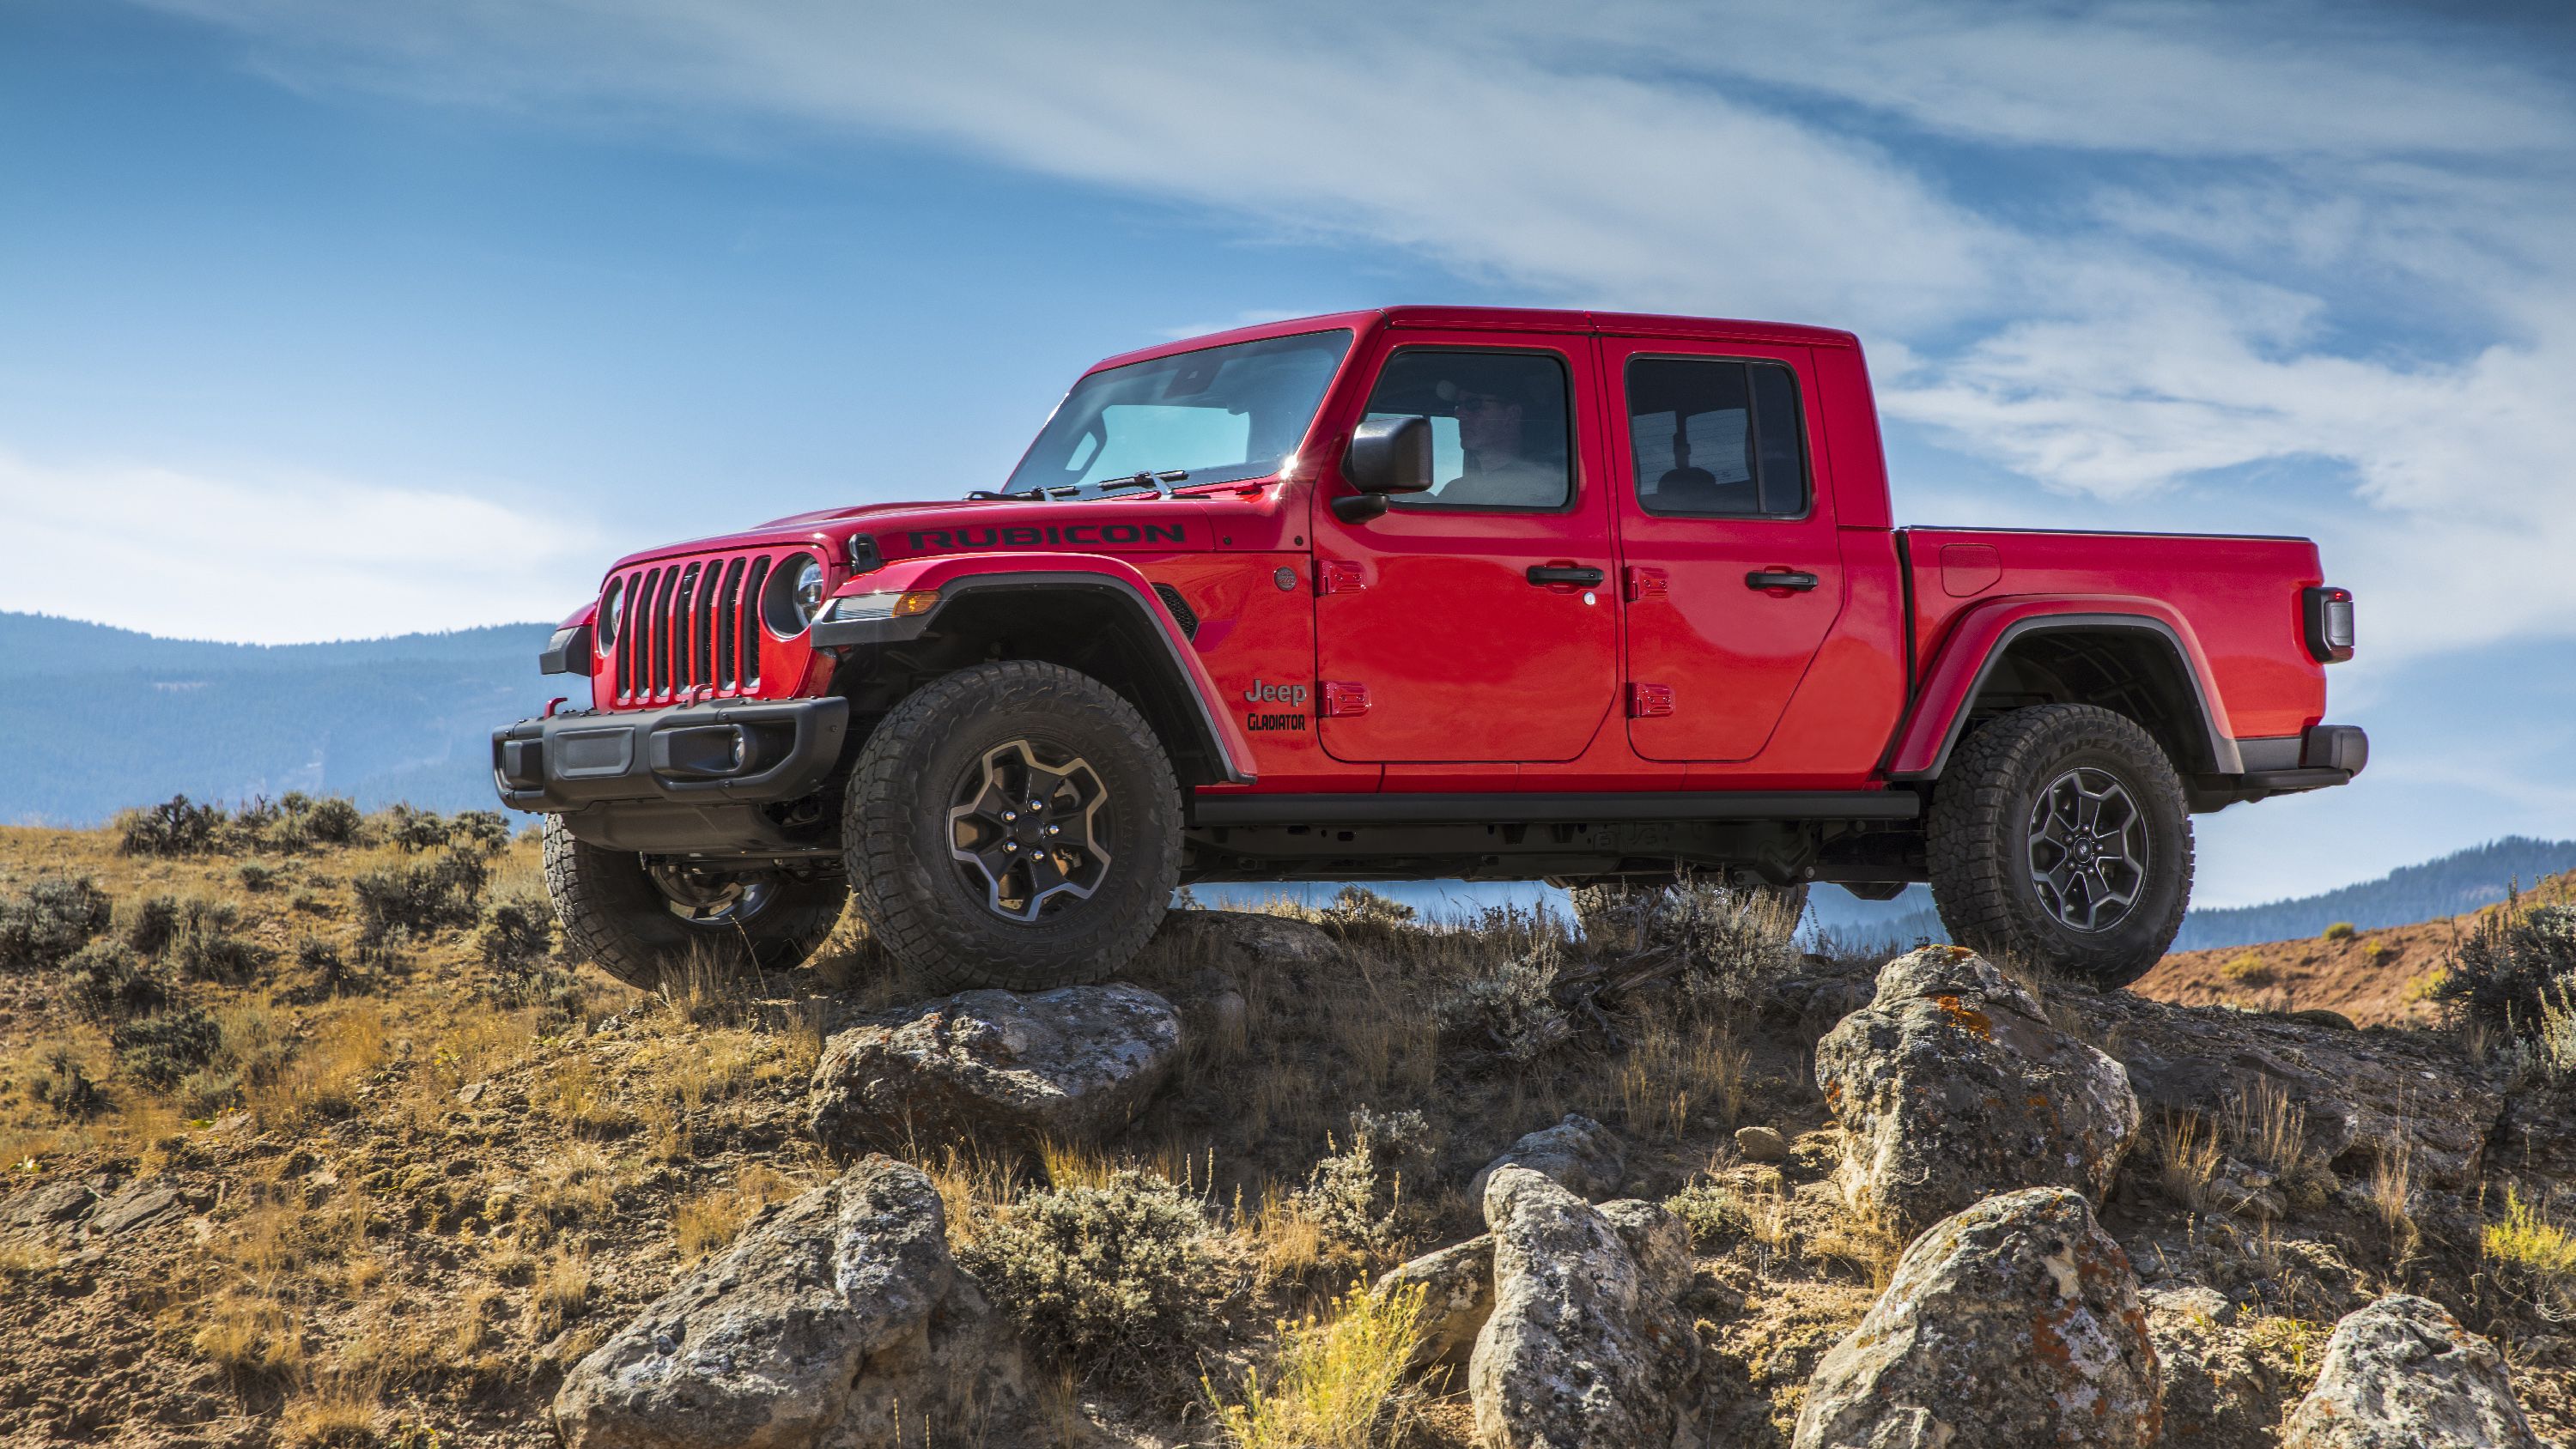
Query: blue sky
(358,319)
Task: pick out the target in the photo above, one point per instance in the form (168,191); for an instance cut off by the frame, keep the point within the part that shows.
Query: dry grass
(1335,1382)
(2267,1126)
(1676,1073)
(2188,1153)
(335,1409)
(2392,1194)
(247,1332)
(709,1221)
(560,1294)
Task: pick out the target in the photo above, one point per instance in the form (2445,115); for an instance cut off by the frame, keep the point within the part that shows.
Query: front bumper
(738,752)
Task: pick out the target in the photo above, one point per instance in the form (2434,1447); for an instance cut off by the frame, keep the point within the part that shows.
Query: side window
(1716,439)
(1501,437)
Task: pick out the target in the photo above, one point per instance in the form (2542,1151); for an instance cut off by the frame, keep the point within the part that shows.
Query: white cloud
(275,560)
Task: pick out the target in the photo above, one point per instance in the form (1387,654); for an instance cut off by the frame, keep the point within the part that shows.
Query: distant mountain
(2456,883)
(99,718)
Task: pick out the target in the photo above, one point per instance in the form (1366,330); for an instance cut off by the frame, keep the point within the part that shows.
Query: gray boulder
(827,1319)
(2015,1322)
(2403,1374)
(1584,1346)
(1457,1286)
(2363,1092)
(1953,1085)
(1578,1154)
(2217,1391)
(1066,1064)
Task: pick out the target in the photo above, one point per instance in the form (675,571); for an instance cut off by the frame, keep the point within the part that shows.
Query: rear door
(1476,622)
(1733,571)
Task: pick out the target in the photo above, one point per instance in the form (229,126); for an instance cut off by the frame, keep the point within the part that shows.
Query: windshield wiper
(1075,492)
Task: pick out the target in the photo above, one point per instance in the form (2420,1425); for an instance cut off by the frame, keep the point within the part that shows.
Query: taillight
(2329,615)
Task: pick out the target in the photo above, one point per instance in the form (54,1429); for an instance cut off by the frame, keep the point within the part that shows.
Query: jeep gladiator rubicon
(1406,594)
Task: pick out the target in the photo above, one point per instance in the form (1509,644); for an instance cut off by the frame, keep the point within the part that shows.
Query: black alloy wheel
(1014,824)
(2058,836)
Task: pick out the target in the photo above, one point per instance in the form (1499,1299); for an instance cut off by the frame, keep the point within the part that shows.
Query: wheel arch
(2128,659)
(1098,616)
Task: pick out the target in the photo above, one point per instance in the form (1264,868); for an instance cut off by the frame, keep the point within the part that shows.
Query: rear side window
(1716,438)
(1502,435)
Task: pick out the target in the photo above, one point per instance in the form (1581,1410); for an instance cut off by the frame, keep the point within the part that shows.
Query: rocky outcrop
(1584,1346)
(2364,1093)
(1578,1154)
(995,1066)
(2403,1374)
(836,1321)
(1952,1085)
(1457,1286)
(2014,1322)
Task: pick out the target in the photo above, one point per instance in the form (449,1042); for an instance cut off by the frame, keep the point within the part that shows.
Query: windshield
(1218,414)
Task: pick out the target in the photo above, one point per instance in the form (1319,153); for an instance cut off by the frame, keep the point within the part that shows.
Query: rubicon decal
(949,540)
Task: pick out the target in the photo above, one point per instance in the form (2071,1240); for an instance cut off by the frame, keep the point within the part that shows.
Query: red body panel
(1449,670)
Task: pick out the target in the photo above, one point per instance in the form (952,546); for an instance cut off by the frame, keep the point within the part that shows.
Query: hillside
(104,717)
(319,1139)
(2377,976)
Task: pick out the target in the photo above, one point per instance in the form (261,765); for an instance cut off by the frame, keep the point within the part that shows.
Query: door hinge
(1644,583)
(1341,701)
(1646,701)
(1339,576)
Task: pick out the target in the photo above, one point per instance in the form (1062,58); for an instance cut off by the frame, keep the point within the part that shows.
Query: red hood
(1228,515)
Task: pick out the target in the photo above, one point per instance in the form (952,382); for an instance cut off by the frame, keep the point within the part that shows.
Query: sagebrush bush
(108,981)
(1362,907)
(1112,1279)
(48,921)
(176,826)
(518,935)
(1512,1007)
(1725,942)
(151,924)
(160,1050)
(2339,931)
(205,947)
(483,830)
(413,831)
(2503,975)
(65,1086)
(256,877)
(420,899)
(1356,1195)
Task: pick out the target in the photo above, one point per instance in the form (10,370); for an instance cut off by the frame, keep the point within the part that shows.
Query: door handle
(1569,574)
(1780,579)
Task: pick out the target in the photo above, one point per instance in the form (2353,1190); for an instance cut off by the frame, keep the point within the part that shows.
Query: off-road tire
(895,830)
(613,913)
(1978,838)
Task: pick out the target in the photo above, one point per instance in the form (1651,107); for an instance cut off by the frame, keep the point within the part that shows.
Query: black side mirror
(1386,455)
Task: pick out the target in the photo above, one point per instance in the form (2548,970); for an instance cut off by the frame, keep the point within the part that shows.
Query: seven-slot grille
(690,625)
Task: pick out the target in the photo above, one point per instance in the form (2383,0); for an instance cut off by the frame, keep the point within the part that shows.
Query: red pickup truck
(1417,593)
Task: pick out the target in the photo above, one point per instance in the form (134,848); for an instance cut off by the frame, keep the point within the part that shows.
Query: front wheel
(2058,835)
(1013,824)
(636,916)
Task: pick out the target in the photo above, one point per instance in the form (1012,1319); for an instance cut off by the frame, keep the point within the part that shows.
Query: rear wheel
(635,915)
(1015,824)
(2058,834)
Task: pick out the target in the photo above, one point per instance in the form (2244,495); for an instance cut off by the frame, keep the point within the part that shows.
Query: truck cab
(1418,593)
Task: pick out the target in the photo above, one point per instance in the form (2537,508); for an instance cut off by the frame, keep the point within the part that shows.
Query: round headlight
(612,608)
(793,596)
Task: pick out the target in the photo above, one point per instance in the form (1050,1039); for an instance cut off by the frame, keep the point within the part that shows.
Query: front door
(1478,621)
(1733,571)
